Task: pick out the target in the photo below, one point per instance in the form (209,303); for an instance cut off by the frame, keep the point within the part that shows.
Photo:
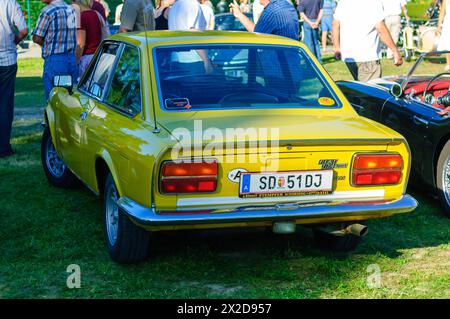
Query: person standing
(311,11)
(393,10)
(245,6)
(278,17)
(257,9)
(222,6)
(357,29)
(186,15)
(327,19)
(97,6)
(443,30)
(89,34)
(137,15)
(55,32)
(11,18)
(208,13)
(117,13)
(161,14)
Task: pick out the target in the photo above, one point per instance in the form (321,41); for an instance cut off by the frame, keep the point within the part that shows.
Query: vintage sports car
(179,130)
(416,105)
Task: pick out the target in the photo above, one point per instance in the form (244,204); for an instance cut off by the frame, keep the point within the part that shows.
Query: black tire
(131,244)
(443,177)
(328,241)
(61,177)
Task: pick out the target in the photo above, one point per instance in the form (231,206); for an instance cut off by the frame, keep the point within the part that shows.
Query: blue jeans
(59,64)
(7,82)
(311,39)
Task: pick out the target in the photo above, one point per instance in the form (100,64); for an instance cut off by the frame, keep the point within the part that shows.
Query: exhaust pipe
(355,229)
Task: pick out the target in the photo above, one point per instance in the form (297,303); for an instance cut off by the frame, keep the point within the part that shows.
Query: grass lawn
(45,229)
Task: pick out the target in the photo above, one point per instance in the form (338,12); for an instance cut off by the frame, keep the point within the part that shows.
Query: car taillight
(189,177)
(377,169)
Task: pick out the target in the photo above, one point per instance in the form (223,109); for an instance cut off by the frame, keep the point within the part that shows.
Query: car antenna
(147,8)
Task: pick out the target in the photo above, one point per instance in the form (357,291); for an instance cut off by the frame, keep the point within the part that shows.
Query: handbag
(104,25)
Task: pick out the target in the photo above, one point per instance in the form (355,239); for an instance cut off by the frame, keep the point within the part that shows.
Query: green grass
(45,229)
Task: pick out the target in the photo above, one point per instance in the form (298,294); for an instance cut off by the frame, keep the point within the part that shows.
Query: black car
(227,21)
(416,105)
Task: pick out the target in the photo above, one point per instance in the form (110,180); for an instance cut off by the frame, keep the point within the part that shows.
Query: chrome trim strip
(373,194)
(150,217)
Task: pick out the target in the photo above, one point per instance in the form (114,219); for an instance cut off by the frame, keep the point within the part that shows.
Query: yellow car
(207,130)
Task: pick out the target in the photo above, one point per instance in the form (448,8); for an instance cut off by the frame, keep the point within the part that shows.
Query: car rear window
(240,76)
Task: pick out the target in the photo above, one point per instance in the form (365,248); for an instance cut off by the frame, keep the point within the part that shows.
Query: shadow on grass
(29,92)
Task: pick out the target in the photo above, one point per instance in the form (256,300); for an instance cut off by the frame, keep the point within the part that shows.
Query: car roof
(163,38)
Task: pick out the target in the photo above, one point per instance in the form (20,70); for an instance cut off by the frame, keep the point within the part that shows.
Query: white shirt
(117,15)
(186,15)
(257,10)
(360,41)
(10,16)
(393,7)
(208,13)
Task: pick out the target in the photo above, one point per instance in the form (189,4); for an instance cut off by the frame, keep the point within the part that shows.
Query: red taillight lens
(372,169)
(189,177)
(171,169)
(382,161)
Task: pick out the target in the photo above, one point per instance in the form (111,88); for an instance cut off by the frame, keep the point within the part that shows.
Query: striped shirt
(57,25)
(279,17)
(10,16)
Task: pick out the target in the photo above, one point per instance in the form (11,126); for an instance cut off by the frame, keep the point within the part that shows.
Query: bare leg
(448,59)
(324,40)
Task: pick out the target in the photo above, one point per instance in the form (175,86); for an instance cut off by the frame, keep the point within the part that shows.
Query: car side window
(95,82)
(125,91)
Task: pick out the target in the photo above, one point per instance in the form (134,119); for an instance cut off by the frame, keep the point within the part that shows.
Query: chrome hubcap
(112,215)
(446,180)
(54,164)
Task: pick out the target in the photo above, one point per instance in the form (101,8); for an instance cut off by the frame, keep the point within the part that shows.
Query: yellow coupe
(183,130)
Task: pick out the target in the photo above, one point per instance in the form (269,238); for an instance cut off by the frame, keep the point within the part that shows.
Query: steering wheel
(250,96)
(429,83)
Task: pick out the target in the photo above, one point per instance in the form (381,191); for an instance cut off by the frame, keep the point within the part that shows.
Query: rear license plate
(295,183)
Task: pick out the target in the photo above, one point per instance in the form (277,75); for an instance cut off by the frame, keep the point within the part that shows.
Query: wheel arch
(437,153)
(104,165)
(50,121)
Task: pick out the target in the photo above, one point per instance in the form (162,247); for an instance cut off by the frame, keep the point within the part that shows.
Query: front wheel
(126,242)
(58,174)
(443,178)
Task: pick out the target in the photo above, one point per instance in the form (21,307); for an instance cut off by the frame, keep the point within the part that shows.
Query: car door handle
(419,121)
(83,116)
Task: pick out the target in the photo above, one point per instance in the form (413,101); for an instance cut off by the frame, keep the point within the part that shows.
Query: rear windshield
(239,76)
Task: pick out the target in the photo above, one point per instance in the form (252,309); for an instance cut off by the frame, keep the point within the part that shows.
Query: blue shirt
(280,18)
(328,7)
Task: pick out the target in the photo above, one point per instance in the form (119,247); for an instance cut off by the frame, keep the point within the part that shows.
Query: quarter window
(95,81)
(125,91)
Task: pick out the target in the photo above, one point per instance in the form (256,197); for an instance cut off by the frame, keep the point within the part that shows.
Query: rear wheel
(443,178)
(344,243)
(58,174)
(126,242)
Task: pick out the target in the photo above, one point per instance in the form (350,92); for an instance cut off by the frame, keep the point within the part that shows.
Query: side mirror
(63,81)
(396,90)
(96,90)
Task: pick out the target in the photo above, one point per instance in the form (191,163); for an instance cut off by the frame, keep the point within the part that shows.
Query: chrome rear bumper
(292,211)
